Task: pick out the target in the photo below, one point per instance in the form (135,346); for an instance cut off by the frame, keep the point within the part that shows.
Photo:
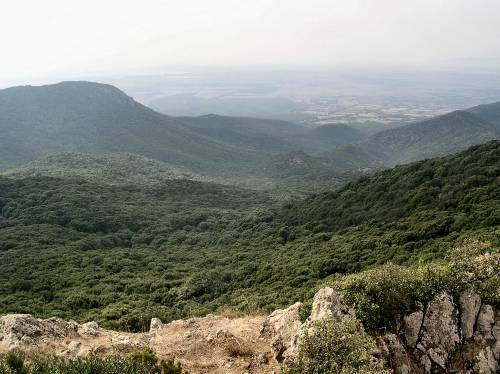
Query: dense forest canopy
(122,253)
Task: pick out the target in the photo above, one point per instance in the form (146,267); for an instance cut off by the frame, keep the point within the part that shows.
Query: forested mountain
(489,113)
(442,135)
(123,253)
(84,117)
(437,136)
(111,168)
(272,136)
(97,118)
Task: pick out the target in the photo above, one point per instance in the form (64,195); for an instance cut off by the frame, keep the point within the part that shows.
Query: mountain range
(86,117)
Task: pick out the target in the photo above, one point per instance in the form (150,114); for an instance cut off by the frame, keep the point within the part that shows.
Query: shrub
(333,347)
(382,296)
(144,362)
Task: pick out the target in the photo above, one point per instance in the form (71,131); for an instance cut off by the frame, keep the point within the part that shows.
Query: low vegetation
(334,347)
(384,295)
(144,362)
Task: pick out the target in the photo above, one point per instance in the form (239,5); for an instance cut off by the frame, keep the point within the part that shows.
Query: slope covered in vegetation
(121,254)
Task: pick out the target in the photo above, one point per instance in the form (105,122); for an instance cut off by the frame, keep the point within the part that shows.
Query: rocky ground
(446,335)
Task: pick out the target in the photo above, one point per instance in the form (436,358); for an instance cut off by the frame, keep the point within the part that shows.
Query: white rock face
(470,302)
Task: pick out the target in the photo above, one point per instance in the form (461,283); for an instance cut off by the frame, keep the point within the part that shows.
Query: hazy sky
(41,37)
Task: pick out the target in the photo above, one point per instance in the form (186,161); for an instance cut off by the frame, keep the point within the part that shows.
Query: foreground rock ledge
(442,336)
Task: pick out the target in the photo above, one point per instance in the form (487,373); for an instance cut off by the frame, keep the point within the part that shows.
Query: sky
(78,37)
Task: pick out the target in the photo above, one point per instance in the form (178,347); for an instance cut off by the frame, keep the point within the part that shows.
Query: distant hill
(86,117)
(439,136)
(91,117)
(272,136)
(489,113)
(112,168)
(300,172)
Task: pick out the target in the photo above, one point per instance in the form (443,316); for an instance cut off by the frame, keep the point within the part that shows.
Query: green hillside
(90,117)
(272,136)
(120,254)
(110,168)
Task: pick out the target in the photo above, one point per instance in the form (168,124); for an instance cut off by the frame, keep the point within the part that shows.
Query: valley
(113,213)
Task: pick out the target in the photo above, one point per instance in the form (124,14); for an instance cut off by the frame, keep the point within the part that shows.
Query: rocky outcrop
(412,325)
(444,337)
(283,326)
(155,325)
(439,337)
(329,304)
(470,302)
(19,329)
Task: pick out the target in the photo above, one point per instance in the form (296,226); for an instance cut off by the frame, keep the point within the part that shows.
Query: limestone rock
(485,321)
(496,335)
(284,326)
(470,302)
(485,362)
(155,325)
(396,355)
(24,329)
(412,326)
(123,344)
(329,304)
(89,329)
(439,330)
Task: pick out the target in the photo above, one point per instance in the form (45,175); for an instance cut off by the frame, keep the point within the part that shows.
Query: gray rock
(24,329)
(470,302)
(329,304)
(496,346)
(485,321)
(439,330)
(155,325)
(485,362)
(397,355)
(413,322)
(284,327)
(89,329)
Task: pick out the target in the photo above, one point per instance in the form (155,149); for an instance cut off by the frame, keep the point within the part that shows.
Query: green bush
(382,296)
(144,362)
(333,347)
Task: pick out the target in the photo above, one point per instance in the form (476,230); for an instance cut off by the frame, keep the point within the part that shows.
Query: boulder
(470,302)
(155,325)
(24,329)
(329,304)
(485,321)
(283,326)
(89,329)
(412,325)
(396,355)
(485,362)
(440,330)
